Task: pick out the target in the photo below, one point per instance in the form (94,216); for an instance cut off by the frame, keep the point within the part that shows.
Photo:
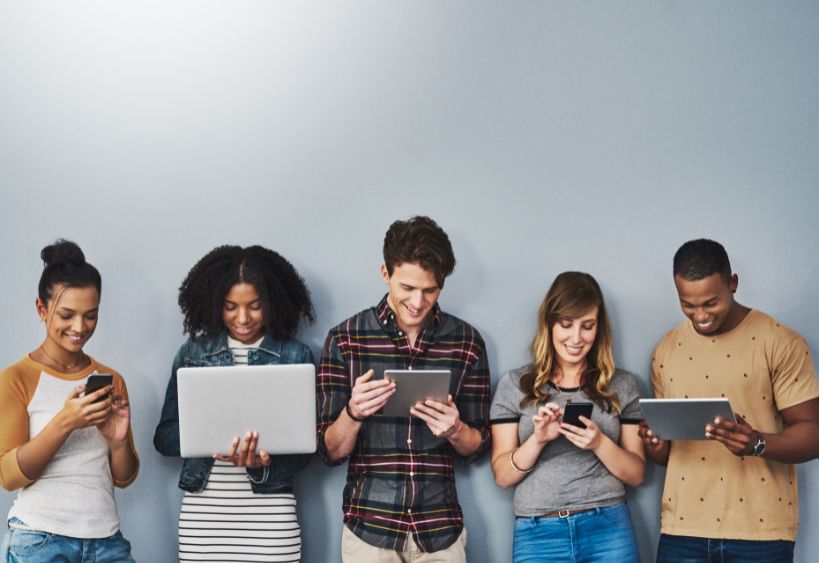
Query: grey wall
(543,136)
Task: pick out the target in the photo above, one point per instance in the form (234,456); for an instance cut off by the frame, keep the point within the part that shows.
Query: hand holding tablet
(683,419)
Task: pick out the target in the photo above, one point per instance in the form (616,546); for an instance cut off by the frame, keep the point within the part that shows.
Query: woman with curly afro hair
(241,306)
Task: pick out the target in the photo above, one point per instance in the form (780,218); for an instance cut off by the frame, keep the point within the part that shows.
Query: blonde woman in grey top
(569,479)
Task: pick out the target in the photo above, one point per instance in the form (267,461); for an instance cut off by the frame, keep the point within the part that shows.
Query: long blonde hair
(571,295)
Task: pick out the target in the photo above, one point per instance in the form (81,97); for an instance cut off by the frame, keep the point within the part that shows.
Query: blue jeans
(602,534)
(25,546)
(687,549)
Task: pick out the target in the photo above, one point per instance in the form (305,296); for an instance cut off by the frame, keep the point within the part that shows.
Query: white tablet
(216,404)
(684,419)
(415,386)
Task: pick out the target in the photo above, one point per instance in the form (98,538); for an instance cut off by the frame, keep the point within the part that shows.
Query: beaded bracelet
(350,413)
(515,467)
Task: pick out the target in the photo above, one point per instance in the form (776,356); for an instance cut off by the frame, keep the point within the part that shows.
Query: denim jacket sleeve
(284,466)
(166,436)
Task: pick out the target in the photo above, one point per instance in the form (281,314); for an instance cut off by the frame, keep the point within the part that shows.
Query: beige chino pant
(356,550)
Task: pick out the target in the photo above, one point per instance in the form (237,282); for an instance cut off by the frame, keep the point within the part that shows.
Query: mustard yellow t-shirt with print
(763,367)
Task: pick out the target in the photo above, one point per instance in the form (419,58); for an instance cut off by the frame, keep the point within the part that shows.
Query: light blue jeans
(602,534)
(25,546)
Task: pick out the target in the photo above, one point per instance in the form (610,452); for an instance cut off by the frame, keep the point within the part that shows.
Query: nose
(700,316)
(576,333)
(241,315)
(78,325)
(417,299)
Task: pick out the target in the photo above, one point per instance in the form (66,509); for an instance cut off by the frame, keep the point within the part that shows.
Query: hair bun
(62,252)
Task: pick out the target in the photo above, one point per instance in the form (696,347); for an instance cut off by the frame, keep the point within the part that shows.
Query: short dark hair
(419,240)
(700,258)
(284,296)
(64,264)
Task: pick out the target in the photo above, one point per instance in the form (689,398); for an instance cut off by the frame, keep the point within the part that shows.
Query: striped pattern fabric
(400,477)
(226,521)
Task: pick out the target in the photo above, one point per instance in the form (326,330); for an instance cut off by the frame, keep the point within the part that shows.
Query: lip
(574,350)
(414,312)
(76,337)
(244,330)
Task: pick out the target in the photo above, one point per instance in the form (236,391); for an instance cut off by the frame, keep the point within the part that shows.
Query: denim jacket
(203,351)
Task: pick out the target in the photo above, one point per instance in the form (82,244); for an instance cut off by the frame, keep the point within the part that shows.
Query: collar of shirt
(386,317)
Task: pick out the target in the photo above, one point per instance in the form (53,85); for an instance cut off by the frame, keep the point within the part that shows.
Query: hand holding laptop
(245,455)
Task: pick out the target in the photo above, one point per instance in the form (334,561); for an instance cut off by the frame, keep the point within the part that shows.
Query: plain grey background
(543,136)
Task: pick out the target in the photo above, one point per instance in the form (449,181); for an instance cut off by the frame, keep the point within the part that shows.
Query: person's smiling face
(708,302)
(413,292)
(242,313)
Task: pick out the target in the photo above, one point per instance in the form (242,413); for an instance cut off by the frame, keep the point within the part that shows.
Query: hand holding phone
(573,411)
(96,382)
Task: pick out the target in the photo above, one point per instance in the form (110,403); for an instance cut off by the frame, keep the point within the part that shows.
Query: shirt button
(409,511)
(409,440)
(412,474)
(385,321)
(400,333)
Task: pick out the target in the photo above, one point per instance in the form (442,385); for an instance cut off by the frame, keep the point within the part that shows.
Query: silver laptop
(684,419)
(216,404)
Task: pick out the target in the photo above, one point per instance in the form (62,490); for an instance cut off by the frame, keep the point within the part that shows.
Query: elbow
(502,483)
(636,480)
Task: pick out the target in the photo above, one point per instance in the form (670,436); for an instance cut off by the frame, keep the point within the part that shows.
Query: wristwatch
(759,448)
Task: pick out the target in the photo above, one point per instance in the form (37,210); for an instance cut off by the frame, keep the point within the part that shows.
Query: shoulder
(362,319)
(623,380)
(510,381)
(671,338)
(294,350)
(770,328)
(18,375)
(457,327)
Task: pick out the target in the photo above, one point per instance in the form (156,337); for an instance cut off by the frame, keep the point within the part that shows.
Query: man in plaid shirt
(400,500)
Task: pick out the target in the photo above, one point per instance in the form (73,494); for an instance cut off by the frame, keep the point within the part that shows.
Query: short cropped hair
(700,258)
(422,241)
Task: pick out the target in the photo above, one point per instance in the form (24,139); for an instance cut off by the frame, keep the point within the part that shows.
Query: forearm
(623,464)
(34,456)
(798,443)
(124,463)
(341,435)
(526,457)
(466,440)
(659,455)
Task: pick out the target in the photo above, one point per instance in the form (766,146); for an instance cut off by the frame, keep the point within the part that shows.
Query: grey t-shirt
(566,476)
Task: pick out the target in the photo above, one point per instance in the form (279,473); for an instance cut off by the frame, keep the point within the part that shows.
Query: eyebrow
(69,310)
(684,302)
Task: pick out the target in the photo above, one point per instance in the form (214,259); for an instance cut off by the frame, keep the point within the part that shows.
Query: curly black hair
(284,296)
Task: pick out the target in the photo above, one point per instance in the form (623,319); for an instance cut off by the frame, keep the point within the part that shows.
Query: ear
(42,309)
(385,274)
(734,283)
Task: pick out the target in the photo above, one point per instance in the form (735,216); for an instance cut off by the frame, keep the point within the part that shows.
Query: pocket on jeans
(26,542)
(617,515)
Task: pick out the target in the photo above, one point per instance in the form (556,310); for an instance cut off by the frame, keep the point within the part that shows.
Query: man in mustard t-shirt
(733,496)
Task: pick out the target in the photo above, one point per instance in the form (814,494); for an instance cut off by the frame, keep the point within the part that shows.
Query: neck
(569,375)
(60,358)
(735,317)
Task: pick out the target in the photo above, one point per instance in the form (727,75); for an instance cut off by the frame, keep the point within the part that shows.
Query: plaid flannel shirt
(400,477)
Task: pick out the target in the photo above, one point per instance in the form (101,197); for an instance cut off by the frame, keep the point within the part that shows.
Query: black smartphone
(573,411)
(96,382)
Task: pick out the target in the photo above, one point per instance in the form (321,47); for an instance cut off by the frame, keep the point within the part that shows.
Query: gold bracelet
(515,467)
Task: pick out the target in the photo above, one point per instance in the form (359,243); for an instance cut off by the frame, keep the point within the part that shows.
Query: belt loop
(563,513)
